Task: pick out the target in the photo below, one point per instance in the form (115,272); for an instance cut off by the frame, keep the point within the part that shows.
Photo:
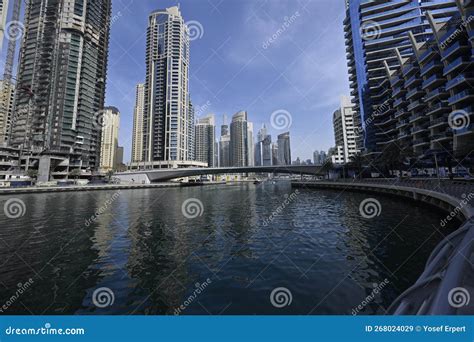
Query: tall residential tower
(138,113)
(168,122)
(61,79)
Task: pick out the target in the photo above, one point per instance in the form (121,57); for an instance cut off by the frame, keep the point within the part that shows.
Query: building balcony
(419,142)
(459,80)
(419,129)
(463,95)
(466,130)
(436,108)
(438,122)
(398,90)
(414,80)
(400,113)
(458,62)
(448,134)
(403,135)
(424,56)
(395,80)
(414,105)
(414,92)
(407,69)
(389,120)
(402,123)
(416,117)
(433,65)
(399,102)
(456,47)
(432,81)
(437,93)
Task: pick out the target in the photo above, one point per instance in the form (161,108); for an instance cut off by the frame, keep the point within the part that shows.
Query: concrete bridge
(160,175)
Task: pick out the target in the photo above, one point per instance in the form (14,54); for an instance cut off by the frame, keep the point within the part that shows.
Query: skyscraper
(239,140)
(250,145)
(168,115)
(205,137)
(263,148)
(345,131)
(61,79)
(284,149)
(138,113)
(3,20)
(109,139)
(372,30)
(7,96)
(224,146)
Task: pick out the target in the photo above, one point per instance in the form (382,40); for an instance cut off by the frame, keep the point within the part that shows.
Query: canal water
(223,249)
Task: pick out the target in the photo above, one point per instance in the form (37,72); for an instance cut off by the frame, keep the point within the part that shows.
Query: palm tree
(76,173)
(357,160)
(328,166)
(110,173)
(33,174)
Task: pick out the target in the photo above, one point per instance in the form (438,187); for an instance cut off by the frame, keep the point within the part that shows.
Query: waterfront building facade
(372,30)
(109,139)
(168,121)
(61,80)
(250,145)
(428,98)
(238,148)
(345,131)
(205,137)
(263,148)
(7,96)
(284,149)
(138,114)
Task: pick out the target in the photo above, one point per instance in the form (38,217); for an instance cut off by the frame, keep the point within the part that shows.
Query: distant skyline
(237,65)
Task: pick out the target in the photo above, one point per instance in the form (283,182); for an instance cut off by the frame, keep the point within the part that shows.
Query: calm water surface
(154,259)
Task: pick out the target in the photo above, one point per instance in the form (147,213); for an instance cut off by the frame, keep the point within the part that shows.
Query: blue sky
(303,71)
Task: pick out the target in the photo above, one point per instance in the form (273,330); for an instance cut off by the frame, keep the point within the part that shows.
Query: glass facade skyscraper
(373,29)
(168,121)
